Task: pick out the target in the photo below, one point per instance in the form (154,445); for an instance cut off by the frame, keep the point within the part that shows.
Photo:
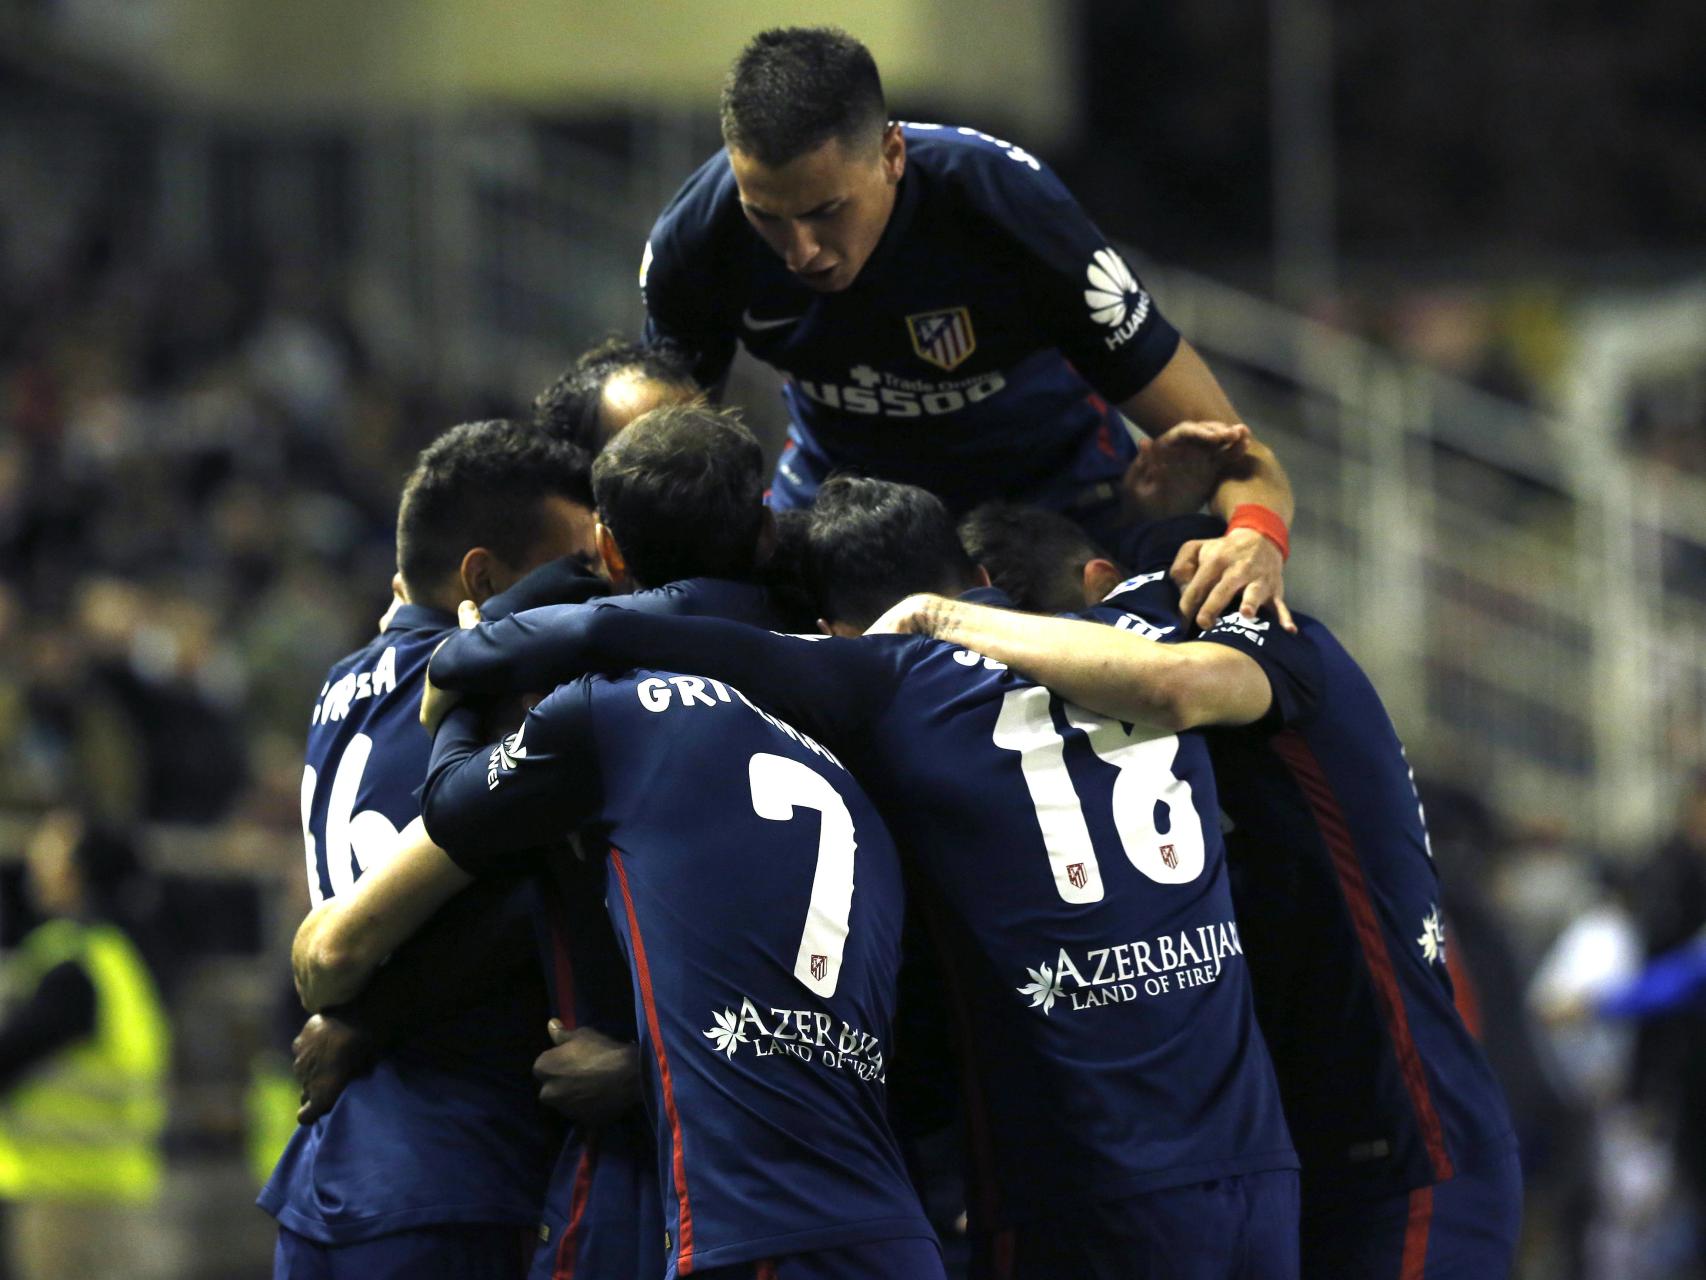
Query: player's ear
(610,555)
(893,152)
(1100,577)
(479,575)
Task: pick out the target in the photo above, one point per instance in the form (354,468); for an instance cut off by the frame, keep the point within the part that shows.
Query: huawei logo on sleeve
(1114,297)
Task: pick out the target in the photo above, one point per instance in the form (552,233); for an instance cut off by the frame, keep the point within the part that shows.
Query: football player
(946,315)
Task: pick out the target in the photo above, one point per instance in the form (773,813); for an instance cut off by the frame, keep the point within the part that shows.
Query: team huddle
(960,777)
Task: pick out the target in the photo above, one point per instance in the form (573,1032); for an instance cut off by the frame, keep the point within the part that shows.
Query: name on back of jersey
(659,694)
(338,696)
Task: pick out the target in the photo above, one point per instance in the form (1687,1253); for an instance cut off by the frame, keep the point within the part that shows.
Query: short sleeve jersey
(446,1127)
(975,354)
(1104,985)
(1339,902)
(602,1214)
(757,897)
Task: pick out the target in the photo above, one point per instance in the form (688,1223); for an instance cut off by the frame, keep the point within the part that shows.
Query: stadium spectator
(84,1057)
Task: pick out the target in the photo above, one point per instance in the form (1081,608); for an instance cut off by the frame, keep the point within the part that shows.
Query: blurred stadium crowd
(199,471)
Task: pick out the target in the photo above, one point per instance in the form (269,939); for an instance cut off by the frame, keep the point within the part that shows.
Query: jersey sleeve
(833,689)
(1099,314)
(526,652)
(680,288)
(563,581)
(485,802)
(1291,662)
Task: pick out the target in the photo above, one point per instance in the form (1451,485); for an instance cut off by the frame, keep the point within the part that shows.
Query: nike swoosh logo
(758,326)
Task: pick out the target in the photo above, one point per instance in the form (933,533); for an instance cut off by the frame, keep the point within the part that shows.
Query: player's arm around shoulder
(1116,673)
(345,939)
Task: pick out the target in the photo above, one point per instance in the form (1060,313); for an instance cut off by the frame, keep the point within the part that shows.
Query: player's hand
(436,703)
(587,1076)
(325,973)
(327,1054)
(1243,569)
(304,958)
(913,616)
(1174,474)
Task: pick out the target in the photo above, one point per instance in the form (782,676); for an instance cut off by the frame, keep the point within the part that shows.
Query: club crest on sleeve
(943,338)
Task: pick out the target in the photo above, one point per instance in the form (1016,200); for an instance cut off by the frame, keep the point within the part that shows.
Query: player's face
(823,212)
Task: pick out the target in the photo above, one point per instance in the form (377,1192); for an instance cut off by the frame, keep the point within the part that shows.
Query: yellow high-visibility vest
(86,1125)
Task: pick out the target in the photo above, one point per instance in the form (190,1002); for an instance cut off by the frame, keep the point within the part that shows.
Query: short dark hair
(794,88)
(568,409)
(871,542)
(682,492)
(482,484)
(1036,556)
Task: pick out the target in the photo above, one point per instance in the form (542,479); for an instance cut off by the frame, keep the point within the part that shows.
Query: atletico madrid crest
(944,338)
(1075,873)
(820,966)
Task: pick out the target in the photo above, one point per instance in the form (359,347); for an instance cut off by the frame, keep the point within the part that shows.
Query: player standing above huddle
(946,314)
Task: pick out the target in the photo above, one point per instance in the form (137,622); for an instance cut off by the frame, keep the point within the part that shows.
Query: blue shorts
(1239,1228)
(1462,1229)
(913,1259)
(602,1215)
(473,1251)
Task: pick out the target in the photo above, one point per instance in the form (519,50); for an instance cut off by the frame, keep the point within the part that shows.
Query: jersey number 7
(779,786)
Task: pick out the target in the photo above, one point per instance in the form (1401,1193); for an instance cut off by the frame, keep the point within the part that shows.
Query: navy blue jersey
(1339,900)
(1113,1031)
(445,1128)
(975,355)
(602,1215)
(758,899)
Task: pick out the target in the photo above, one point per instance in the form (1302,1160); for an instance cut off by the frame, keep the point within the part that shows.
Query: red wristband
(1253,515)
